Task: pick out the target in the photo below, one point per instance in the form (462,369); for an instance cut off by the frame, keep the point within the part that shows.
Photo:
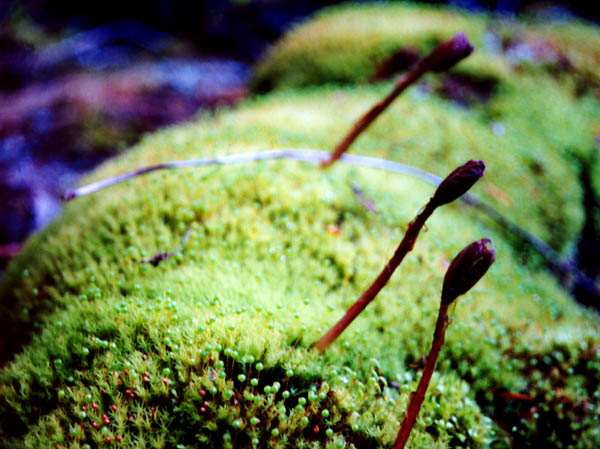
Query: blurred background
(82,81)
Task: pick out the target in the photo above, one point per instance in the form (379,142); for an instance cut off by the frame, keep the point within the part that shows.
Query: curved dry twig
(561,269)
(306,155)
(317,157)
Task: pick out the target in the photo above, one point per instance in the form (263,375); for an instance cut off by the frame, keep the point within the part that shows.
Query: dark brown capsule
(447,54)
(458,182)
(467,268)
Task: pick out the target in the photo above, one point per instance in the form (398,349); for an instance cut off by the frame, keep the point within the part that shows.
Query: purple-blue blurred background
(80,81)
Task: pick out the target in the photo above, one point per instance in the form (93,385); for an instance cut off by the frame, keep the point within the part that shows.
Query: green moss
(261,279)
(577,42)
(212,347)
(538,100)
(542,117)
(534,121)
(344,44)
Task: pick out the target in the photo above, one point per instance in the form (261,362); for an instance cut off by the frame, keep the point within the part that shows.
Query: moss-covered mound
(529,88)
(211,348)
(347,43)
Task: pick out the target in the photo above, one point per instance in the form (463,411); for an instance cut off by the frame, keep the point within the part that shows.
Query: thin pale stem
(405,246)
(318,156)
(306,155)
(418,397)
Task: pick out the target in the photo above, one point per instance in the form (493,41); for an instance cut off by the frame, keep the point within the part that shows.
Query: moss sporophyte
(452,187)
(463,273)
(442,58)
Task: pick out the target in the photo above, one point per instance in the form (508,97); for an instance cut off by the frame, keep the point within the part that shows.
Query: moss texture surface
(344,44)
(529,97)
(211,348)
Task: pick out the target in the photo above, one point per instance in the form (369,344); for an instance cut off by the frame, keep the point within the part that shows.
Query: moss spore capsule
(447,54)
(467,268)
(458,182)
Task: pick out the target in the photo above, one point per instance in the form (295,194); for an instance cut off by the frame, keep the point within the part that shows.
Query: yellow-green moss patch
(262,278)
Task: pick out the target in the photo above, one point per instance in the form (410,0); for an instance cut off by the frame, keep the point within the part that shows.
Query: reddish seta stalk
(442,58)
(453,187)
(419,396)
(369,295)
(463,273)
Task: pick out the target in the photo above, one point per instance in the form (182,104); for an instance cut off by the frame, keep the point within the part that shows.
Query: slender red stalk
(452,187)
(419,396)
(407,243)
(369,117)
(463,273)
(443,57)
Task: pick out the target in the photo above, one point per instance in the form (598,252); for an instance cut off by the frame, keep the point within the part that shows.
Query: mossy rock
(346,43)
(166,356)
(529,92)
(212,347)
